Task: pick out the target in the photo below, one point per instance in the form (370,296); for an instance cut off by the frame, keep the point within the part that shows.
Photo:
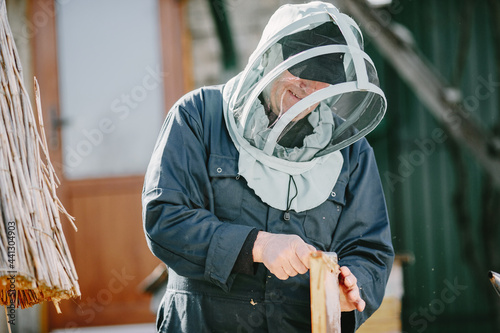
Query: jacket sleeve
(363,235)
(177,202)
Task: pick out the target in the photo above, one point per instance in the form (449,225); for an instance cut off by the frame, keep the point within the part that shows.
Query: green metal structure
(444,210)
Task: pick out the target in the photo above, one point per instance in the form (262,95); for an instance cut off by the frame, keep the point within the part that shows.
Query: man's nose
(311,86)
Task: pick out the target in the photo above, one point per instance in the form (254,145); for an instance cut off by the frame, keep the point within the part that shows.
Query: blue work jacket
(198,213)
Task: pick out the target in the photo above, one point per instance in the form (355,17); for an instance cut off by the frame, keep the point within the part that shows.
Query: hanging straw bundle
(35,262)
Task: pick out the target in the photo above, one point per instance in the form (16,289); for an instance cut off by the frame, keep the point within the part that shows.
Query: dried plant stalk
(35,262)
(325,292)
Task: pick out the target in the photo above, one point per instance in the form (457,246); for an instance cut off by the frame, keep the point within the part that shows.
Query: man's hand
(349,291)
(284,255)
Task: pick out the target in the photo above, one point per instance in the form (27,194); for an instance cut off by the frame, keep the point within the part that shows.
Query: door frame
(177,81)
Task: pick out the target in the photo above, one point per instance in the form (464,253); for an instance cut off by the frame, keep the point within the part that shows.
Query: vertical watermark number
(11,254)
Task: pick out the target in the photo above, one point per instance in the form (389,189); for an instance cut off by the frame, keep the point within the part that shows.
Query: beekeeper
(249,178)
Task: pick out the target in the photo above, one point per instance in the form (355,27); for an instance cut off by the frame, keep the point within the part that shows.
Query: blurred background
(109,70)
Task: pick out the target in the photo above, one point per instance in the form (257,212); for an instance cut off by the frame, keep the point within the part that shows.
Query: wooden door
(101,177)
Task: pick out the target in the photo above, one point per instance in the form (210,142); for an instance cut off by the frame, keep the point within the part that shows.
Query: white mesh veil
(325,47)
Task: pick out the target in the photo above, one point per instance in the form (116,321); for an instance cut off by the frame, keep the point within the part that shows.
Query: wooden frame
(325,292)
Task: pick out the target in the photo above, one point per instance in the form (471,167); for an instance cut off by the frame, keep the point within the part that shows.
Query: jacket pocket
(226,185)
(321,222)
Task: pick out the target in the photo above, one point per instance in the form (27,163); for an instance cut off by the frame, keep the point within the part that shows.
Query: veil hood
(307,91)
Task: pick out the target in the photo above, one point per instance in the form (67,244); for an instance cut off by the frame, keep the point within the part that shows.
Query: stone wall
(247,20)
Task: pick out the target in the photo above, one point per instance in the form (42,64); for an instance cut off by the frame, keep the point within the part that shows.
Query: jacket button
(219,170)
(334,194)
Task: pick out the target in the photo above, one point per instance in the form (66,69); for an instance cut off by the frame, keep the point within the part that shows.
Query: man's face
(289,89)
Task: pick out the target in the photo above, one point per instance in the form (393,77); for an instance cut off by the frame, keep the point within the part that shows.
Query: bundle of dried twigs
(35,262)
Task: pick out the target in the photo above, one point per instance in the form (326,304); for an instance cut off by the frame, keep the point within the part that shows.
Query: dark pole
(222,25)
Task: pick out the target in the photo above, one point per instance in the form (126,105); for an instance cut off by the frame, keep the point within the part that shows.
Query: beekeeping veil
(307,91)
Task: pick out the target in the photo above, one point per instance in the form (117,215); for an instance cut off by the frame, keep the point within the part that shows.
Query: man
(248,179)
